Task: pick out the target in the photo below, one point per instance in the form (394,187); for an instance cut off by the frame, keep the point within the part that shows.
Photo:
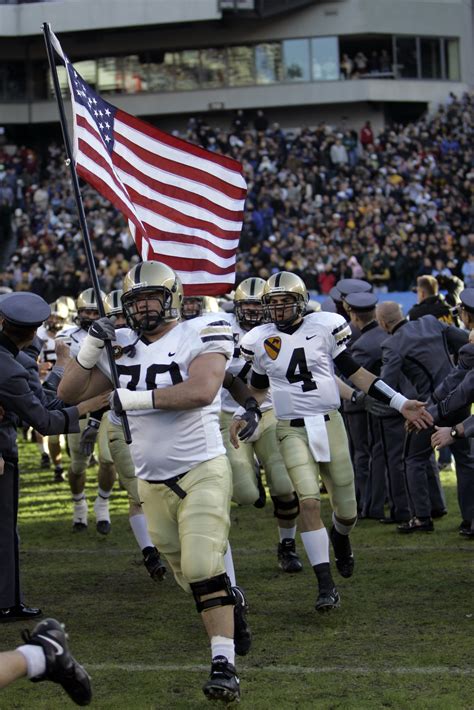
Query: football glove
(251,417)
(89,437)
(94,342)
(371,405)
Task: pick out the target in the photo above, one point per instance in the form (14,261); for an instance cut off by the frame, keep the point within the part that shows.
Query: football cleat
(223,683)
(262,493)
(58,474)
(79,519)
(61,667)
(327,599)
(101,510)
(342,552)
(242,633)
(288,559)
(45,460)
(155,566)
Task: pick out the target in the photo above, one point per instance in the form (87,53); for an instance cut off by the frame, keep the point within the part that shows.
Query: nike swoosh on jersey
(58,649)
(310,337)
(171,354)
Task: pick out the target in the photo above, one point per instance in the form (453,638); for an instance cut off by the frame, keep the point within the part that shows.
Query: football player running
(295,356)
(95,423)
(170,376)
(248,314)
(124,465)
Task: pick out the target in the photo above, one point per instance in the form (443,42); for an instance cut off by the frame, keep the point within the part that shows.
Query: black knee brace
(215,584)
(279,505)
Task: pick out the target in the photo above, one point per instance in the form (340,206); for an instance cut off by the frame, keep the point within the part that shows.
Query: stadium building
(301,61)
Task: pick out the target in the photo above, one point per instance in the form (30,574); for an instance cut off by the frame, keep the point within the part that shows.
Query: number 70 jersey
(299,365)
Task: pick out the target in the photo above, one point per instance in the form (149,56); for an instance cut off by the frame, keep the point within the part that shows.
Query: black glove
(102,329)
(378,409)
(358,398)
(89,437)
(251,416)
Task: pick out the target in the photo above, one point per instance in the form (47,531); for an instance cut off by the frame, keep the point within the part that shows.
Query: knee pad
(215,584)
(282,505)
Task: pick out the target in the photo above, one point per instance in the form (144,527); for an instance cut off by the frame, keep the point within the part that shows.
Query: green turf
(403,637)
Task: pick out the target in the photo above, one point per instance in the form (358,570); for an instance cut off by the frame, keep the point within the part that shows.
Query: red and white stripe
(184,204)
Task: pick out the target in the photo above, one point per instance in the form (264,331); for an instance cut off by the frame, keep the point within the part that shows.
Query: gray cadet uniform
(364,428)
(420,351)
(21,401)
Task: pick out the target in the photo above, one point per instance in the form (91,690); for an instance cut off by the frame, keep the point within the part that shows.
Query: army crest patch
(272,347)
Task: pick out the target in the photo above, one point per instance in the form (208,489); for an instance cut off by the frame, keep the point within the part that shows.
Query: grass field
(403,637)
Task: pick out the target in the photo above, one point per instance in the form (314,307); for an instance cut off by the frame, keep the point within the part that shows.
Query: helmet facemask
(85,321)
(192,307)
(276,312)
(140,308)
(247,317)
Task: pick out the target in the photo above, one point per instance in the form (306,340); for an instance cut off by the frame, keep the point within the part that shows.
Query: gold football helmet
(113,303)
(285,283)
(195,306)
(248,307)
(87,301)
(141,286)
(58,317)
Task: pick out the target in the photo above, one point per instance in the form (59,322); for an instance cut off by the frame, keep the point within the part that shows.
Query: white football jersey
(73,336)
(48,351)
(166,443)
(239,367)
(299,366)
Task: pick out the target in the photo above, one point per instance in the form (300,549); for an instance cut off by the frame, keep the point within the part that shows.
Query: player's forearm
(74,383)
(345,390)
(362,379)
(242,392)
(187,395)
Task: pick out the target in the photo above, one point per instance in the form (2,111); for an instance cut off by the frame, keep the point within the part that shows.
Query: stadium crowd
(324,203)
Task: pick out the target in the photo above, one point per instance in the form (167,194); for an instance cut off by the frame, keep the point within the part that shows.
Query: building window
(451,59)
(296,59)
(187,69)
(161,75)
(268,62)
(241,71)
(213,68)
(325,58)
(406,57)
(430,54)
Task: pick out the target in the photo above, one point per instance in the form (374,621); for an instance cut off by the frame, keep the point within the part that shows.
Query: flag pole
(46,27)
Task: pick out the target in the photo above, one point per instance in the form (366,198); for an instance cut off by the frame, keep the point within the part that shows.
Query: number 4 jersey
(166,443)
(299,366)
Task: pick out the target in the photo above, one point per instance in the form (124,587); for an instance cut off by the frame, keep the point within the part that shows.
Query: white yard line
(244,552)
(289,670)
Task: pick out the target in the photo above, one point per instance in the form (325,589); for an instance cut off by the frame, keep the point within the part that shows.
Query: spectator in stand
(379,274)
(360,64)
(467,271)
(366,135)
(347,66)
(338,152)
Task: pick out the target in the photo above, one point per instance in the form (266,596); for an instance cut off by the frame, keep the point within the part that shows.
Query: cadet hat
(361,301)
(467,299)
(345,286)
(335,294)
(25,310)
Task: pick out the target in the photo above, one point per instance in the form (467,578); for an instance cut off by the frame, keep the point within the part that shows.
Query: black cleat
(155,566)
(342,552)
(288,559)
(223,683)
(79,527)
(18,613)
(60,665)
(58,474)
(103,527)
(242,633)
(327,599)
(45,460)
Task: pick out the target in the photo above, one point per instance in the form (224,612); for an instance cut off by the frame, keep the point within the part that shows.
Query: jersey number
(298,371)
(133,371)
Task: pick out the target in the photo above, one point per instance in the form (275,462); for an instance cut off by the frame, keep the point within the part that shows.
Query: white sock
(223,646)
(35,659)
(139,529)
(316,545)
(103,494)
(286,533)
(229,566)
(41,447)
(78,497)
(341,527)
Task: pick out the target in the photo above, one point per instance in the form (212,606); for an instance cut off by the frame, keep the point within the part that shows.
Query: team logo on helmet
(272,347)
(117,351)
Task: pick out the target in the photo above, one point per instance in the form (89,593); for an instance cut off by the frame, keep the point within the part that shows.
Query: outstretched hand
(416,414)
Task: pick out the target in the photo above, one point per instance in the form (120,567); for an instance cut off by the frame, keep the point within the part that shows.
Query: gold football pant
(242,461)
(120,454)
(79,460)
(191,532)
(304,471)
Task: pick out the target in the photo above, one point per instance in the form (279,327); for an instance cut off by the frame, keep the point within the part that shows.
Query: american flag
(184,204)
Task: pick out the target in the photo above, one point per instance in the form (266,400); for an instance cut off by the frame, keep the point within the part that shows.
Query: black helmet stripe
(252,287)
(277,280)
(137,273)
